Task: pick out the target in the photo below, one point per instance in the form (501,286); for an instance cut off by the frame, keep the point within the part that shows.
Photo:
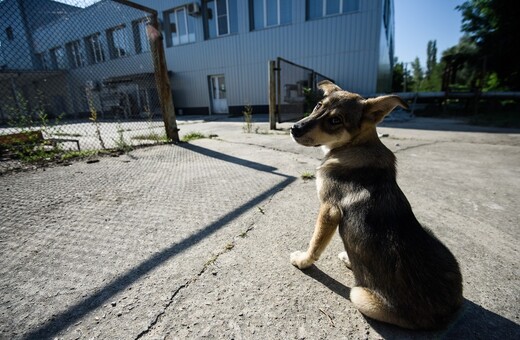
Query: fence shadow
(472,321)
(71,315)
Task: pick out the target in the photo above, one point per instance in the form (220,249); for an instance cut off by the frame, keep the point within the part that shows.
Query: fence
(83,70)
(292,90)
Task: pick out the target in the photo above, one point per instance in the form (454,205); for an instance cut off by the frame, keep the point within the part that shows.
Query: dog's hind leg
(374,306)
(328,220)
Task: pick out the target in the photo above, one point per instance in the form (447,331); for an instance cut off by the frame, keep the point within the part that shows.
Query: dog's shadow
(471,322)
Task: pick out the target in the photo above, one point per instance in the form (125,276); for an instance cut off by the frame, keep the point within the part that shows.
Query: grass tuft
(193,136)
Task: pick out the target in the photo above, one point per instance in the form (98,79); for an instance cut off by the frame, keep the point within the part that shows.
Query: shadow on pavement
(472,321)
(68,317)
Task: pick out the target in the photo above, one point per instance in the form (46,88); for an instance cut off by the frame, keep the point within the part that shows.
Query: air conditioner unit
(193,9)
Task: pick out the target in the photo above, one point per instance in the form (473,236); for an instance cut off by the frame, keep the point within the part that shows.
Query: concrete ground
(193,241)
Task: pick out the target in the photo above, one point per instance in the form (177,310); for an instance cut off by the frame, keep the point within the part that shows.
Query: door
(218,94)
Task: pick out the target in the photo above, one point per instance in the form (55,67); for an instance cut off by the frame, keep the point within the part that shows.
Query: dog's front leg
(328,219)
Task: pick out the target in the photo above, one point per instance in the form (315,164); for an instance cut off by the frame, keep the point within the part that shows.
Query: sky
(418,21)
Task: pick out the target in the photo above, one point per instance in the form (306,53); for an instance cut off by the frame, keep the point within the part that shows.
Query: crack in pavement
(227,248)
(416,146)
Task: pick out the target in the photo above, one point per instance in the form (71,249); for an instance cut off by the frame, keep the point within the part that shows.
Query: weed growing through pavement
(34,125)
(94,117)
(121,143)
(193,136)
(248,119)
(307,175)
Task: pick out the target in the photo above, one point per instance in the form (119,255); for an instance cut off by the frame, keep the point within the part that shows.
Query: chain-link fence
(76,75)
(296,89)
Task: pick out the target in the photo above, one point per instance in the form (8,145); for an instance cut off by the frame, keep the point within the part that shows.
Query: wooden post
(272,95)
(161,79)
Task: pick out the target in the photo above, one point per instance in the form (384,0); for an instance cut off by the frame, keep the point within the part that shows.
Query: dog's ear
(375,109)
(328,87)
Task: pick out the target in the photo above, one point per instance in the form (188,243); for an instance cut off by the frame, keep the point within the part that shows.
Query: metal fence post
(272,95)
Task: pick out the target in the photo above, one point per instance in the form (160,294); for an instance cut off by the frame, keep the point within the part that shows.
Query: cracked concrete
(193,241)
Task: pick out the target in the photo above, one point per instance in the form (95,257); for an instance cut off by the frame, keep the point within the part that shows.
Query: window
(9,33)
(322,8)
(220,17)
(58,60)
(267,13)
(179,27)
(43,61)
(75,54)
(140,36)
(118,42)
(94,47)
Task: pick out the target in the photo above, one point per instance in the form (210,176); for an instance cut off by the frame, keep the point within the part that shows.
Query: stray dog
(404,275)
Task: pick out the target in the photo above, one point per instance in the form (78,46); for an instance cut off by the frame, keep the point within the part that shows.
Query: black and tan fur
(404,275)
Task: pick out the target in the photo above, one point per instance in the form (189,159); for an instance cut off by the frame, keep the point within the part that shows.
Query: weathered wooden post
(161,79)
(160,69)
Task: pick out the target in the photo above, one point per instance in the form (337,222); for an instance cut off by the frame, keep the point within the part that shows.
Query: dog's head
(343,118)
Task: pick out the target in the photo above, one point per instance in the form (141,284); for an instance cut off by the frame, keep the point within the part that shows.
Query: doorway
(217,85)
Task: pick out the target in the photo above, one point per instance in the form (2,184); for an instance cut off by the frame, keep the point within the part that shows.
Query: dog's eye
(317,106)
(335,121)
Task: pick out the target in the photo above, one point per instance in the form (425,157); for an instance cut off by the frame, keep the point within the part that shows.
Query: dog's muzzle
(300,128)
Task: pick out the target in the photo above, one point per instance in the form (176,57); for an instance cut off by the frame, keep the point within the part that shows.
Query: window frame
(95,51)
(115,49)
(9,33)
(264,6)
(141,41)
(75,53)
(57,62)
(323,12)
(43,60)
(211,23)
(174,38)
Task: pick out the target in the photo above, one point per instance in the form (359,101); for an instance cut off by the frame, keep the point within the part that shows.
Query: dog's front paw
(301,260)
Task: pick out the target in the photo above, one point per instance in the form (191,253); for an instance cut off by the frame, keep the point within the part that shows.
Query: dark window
(118,42)
(95,51)
(140,36)
(9,33)
(220,17)
(322,8)
(180,27)
(75,54)
(58,60)
(268,13)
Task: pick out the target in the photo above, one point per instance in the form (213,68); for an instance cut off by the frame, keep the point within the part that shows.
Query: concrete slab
(193,241)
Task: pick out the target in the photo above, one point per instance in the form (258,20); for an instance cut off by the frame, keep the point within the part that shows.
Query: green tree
(494,27)
(401,78)
(431,57)
(418,74)
(461,66)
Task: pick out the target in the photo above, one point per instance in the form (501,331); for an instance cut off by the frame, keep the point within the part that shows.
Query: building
(226,45)
(217,51)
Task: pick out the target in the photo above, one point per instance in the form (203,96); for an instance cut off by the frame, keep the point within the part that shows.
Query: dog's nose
(296,130)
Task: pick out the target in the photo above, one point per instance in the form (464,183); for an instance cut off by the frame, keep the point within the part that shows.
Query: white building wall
(350,48)
(347,48)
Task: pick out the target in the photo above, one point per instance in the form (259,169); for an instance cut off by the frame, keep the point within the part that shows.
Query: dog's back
(390,252)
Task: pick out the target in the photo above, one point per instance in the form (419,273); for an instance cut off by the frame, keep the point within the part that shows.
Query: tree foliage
(494,28)
(401,78)
(431,57)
